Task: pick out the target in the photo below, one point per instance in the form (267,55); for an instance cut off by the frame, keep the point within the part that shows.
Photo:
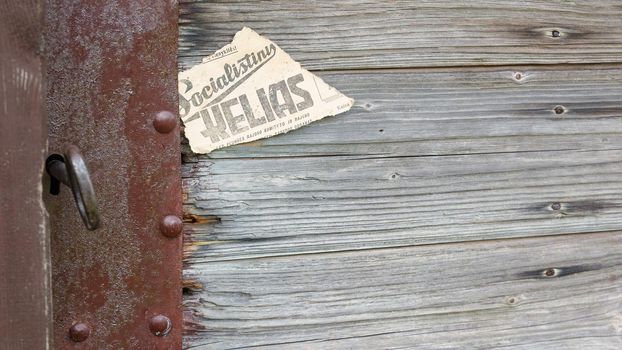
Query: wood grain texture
(379,34)
(546,293)
(423,157)
(471,199)
(25,292)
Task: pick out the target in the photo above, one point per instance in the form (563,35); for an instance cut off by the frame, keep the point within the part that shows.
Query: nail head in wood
(550,272)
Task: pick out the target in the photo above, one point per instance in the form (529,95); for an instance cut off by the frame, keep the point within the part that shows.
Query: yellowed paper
(249,90)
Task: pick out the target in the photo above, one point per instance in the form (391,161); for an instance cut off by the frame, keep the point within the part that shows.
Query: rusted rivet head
(164,122)
(160,325)
(79,332)
(171,226)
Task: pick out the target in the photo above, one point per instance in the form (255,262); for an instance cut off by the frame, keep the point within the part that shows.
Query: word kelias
(245,67)
(221,122)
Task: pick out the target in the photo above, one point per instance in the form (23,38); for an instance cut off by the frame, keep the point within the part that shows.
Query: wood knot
(555,33)
(556,206)
(368,106)
(395,176)
(511,301)
(559,110)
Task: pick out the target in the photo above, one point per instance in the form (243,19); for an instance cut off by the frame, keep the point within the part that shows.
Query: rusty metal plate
(112,92)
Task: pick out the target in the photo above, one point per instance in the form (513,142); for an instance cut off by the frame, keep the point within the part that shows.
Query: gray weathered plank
(423,157)
(479,295)
(458,111)
(372,34)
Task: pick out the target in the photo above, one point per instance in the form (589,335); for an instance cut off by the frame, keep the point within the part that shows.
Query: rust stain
(192,284)
(201,219)
(193,322)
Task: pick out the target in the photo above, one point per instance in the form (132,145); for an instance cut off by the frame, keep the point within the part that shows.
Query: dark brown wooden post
(25,295)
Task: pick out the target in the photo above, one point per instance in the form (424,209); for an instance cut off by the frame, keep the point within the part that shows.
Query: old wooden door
(471,199)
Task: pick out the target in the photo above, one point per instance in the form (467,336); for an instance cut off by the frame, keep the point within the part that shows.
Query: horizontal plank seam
(479,67)
(467,68)
(373,156)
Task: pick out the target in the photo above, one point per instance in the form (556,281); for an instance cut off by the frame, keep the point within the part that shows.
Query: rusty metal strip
(112,92)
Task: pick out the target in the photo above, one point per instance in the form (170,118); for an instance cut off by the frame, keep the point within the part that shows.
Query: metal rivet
(555,34)
(556,206)
(160,325)
(79,332)
(550,272)
(164,122)
(171,226)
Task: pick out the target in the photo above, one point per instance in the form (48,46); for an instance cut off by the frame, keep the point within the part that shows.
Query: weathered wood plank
(424,157)
(544,293)
(460,111)
(373,34)
(25,288)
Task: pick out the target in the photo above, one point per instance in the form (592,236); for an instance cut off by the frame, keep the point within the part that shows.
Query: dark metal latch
(70,169)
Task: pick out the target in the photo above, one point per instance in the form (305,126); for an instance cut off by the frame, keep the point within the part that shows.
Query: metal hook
(71,170)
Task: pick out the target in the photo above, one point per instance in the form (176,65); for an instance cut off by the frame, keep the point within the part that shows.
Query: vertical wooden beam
(25,295)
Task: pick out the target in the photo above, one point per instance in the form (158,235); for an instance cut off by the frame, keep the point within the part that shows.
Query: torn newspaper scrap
(249,90)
